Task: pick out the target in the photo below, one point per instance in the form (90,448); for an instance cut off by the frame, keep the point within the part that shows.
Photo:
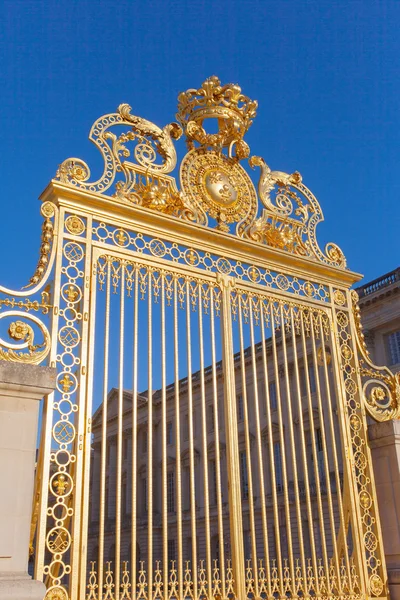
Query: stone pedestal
(21,389)
(385,447)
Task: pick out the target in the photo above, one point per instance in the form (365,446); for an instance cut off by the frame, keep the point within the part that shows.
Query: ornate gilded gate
(207,437)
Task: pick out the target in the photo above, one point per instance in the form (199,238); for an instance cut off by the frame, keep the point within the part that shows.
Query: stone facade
(380,310)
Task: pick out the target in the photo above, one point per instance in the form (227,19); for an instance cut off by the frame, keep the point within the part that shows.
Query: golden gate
(208,434)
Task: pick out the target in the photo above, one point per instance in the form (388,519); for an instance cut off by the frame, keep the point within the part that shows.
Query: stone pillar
(385,448)
(21,389)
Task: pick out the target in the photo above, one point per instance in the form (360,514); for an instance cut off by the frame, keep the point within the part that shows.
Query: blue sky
(325,73)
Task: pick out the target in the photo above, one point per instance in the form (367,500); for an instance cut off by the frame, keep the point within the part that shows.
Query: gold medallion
(219,186)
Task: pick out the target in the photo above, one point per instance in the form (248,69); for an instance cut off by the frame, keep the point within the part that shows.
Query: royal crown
(226,103)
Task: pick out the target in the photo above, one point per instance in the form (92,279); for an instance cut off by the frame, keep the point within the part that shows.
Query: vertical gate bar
(247,445)
(324,450)
(304,456)
(282,440)
(292,442)
(277,540)
(164,441)
(104,429)
(134,433)
(335,455)
(88,420)
(48,410)
(191,444)
(259,440)
(77,471)
(150,435)
(204,441)
(217,444)
(232,452)
(314,452)
(178,440)
(117,574)
(347,461)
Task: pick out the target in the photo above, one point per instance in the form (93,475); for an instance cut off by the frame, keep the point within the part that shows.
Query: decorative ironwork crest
(213,181)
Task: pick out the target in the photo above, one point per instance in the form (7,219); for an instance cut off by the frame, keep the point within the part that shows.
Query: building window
(244,475)
(171,492)
(210,417)
(186,426)
(144,442)
(319,450)
(278,467)
(169,433)
(124,499)
(144,494)
(272,395)
(240,410)
(213,477)
(320,453)
(311,380)
(394,347)
(171,550)
(125,448)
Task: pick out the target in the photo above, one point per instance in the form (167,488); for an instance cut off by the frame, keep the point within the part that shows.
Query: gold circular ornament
(56,593)
(309,288)
(47,209)
(339,298)
(322,358)
(342,319)
(376,585)
(346,352)
(75,225)
(365,500)
(219,186)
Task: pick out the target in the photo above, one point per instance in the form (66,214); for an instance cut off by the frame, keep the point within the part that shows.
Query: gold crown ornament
(233,110)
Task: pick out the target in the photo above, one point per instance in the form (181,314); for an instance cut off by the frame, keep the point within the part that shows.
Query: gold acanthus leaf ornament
(161,137)
(151,141)
(48,211)
(290,216)
(20,331)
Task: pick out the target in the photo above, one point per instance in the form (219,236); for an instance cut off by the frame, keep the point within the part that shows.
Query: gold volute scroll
(381,387)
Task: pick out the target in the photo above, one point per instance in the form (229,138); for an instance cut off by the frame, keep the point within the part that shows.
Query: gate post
(232,449)
(22,387)
(384,441)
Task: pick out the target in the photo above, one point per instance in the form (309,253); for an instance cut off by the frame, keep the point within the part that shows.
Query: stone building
(301,465)
(380,310)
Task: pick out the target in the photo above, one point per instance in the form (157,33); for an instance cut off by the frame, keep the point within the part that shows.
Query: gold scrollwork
(381,387)
(150,140)
(290,216)
(20,331)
